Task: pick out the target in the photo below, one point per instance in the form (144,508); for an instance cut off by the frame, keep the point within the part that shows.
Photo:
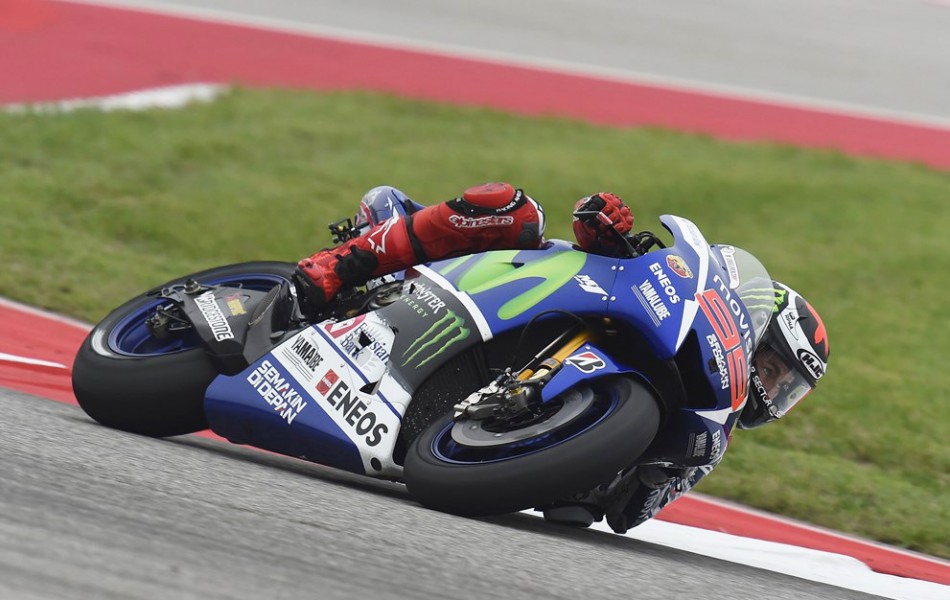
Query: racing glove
(600,222)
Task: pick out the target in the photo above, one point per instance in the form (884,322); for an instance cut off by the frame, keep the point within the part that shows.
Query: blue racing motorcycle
(488,383)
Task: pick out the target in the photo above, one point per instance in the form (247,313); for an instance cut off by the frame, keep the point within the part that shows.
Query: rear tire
(602,445)
(159,392)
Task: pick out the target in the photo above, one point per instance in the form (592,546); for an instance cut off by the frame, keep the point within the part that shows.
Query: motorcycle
(487,383)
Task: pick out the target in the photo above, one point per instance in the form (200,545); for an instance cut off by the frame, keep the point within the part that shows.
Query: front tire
(127,379)
(534,467)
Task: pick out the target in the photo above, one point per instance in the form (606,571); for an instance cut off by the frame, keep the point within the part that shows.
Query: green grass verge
(96,207)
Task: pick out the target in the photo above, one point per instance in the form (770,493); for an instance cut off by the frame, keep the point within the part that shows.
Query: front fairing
(693,290)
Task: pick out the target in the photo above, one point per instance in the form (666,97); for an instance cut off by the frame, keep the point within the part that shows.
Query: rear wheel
(126,378)
(585,437)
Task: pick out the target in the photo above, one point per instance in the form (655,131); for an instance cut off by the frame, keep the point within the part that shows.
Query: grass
(96,207)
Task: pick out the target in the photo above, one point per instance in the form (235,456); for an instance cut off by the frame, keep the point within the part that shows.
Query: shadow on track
(525,522)
(273,460)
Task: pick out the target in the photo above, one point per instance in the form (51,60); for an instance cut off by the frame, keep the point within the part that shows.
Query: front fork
(552,364)
(512,394)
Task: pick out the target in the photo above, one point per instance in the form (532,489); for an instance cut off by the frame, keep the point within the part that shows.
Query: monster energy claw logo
(780,295)
(442,334)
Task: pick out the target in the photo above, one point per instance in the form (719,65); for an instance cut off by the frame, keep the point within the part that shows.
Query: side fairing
(336,392)
(320,395)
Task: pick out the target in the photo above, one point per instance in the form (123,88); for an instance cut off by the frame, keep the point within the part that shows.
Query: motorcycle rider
(788,362)
(491,216)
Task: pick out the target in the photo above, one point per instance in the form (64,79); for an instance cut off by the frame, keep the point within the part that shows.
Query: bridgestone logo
(212,313)
(436,339)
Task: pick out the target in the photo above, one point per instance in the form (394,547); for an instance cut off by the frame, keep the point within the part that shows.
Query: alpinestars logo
(463,222)
(436,339)
(377,239)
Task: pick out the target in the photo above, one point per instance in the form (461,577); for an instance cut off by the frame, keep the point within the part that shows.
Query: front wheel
(126,378)
(586,436)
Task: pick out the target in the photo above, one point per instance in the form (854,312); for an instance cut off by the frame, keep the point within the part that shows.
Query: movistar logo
(436,339)
(492,270)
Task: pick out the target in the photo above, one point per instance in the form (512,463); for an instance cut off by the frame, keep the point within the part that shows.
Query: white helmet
(788,362)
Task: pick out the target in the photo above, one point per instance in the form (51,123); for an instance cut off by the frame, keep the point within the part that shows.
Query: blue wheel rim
(448,450)
(131,337)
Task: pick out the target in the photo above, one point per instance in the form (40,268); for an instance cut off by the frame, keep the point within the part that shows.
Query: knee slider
(489,199)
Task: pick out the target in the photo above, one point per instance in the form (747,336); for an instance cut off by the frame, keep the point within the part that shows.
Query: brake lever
(343,230)
(631,248)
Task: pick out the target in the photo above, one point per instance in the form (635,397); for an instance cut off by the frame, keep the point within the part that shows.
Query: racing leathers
(492,216)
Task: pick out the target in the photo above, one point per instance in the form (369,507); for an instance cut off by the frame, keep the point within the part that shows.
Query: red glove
(600,221)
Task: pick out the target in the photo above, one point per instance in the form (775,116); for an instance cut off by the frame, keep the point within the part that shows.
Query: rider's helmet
(381,203)
(788,362)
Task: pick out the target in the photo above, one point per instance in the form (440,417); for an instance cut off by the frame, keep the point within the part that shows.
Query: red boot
(385,248)
(486,217)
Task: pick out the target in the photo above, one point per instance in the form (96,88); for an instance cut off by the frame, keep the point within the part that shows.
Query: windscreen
(752,283)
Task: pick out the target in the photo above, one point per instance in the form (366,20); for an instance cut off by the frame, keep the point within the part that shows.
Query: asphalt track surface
(90,512)
(888,57)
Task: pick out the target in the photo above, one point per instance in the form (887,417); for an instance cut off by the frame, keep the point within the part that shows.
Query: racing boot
(630,499)
(573,513)
(385,248)
(486,217)
(639,496)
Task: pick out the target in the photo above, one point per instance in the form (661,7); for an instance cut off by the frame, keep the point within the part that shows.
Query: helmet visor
(777,379)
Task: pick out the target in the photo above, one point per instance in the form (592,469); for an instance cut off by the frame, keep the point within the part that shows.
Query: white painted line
(530,62)
(170,97)
(812,565)
(792,523)
(30,361)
